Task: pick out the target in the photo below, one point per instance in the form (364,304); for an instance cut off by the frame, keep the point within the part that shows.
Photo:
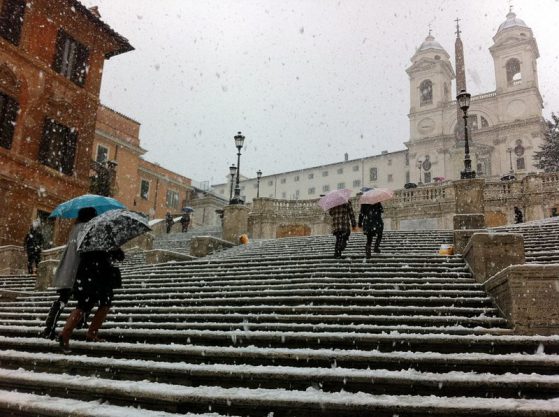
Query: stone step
(393,321)
(443,343)
(453,384)
(497,364)
(265,401)
(16,404)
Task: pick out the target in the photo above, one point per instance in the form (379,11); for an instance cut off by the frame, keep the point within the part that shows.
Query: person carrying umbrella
(370,216)
(185,221)
(342,216)
(33,244)
(65,275)
(169,221)
(99,245)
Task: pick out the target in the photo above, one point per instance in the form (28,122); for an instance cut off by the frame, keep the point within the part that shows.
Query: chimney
(346,157)
(95,11)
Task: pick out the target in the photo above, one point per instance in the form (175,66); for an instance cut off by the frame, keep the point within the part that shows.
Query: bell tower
(431,76)
(515,52)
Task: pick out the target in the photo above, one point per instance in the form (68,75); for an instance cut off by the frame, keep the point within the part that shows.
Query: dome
(512,21)
(430,43)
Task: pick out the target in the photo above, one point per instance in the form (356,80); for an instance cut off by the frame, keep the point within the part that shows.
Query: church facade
(505,126)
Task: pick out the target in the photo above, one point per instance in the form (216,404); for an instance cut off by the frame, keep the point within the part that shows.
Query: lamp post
(258,176)
(232,172)
(509,150)
(419,165)
(463,99)
(239,140)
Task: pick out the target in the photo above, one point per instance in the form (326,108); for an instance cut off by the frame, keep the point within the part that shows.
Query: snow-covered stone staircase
(541,239)
(280,328)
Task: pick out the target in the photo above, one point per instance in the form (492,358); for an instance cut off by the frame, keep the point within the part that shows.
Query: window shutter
(59,51)
(69,154)
(80,69)
(45,142)
(11,20)
(7,128)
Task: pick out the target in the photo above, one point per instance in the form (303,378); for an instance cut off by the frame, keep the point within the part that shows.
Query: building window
(311,176)
(425,93)
(58,147)
(297,193)
(373,173)
(324,173)
(484,122)
(340,171)
(407,159)
(325,188)
(283,195)
(520,163)
(144,189)
(312,191)
(282,181)
(514,76)
(8,114)
(11,20)
(71,58)
(407,177)
(389,162)
(270,182)
(356,183)
(340,186)
(355,168)
(172,199)
(296,178)
(390,178)
(102,154)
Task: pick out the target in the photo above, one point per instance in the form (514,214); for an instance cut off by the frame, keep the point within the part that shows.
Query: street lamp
(239,140)
(258,176)
(232,172)
(463,99)
(419,165)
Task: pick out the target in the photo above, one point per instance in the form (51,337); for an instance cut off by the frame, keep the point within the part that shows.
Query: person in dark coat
(185,221)
(343,220)
(370,219)
(94,286)
(169,221)
(518,217)
(65,275)
(33,244)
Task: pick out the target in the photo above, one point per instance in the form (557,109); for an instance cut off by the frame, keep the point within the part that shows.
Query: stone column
(470,207)
(235,222)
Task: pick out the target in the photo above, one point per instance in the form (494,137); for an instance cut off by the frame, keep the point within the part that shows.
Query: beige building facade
(505,126)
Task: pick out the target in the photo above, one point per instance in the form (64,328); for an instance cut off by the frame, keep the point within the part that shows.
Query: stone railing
(425,207)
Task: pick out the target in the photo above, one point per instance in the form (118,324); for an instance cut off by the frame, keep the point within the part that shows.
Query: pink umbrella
(334,198)
(376,195)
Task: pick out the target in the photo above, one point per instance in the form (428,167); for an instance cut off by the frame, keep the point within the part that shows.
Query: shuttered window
(8,114)
(58,147)
(71,58)
(11,20)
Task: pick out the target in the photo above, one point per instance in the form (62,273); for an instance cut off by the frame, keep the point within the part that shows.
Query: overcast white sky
(304,80)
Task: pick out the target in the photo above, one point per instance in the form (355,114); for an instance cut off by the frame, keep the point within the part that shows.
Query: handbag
(115,277)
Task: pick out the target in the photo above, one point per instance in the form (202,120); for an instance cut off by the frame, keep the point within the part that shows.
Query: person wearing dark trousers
(65,275)
(185,221)
(343,220)
(518,217)
(33,245)
(94,286)
(169,222)
(370,219)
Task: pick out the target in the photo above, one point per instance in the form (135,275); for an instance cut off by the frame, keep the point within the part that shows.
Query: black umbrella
(110,230)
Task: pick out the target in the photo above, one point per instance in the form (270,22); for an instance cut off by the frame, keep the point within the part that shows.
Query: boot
(52,318)
(96,323)
(64,337)
(368,251)
(376,249)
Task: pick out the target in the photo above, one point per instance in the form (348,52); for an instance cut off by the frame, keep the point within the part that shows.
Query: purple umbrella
(334,198)
(376,195)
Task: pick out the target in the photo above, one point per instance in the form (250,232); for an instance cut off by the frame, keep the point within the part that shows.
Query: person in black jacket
(93,286)
(370,219)
(33,245)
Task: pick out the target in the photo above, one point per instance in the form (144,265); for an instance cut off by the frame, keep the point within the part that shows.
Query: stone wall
(425,207)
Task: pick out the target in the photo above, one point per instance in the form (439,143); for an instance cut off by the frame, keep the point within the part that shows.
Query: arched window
(484,122)
(8,114)
(513,71)
(426,92)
